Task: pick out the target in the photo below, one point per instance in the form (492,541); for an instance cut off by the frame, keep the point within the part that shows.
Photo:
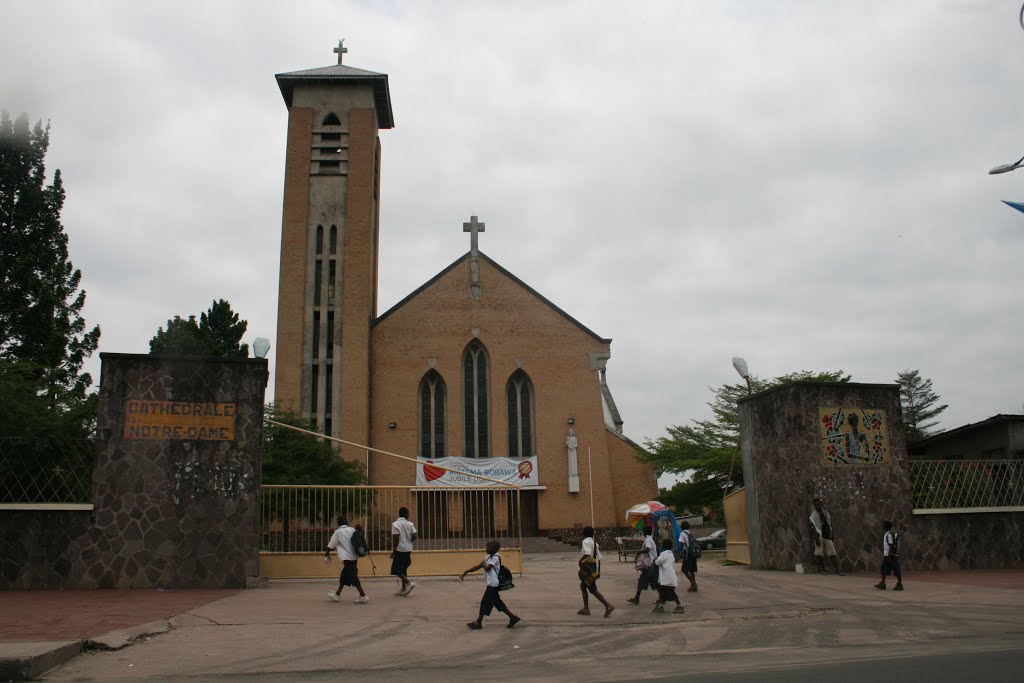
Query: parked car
(715,540)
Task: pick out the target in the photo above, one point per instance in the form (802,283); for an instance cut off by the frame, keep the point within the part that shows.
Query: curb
(24,661)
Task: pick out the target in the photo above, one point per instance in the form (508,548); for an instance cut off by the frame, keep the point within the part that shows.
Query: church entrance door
(528,513)
(478,514)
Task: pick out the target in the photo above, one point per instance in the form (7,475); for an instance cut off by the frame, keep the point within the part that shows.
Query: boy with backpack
(496,579)
(890,557)
(690,550)
(643,563)
(342,542)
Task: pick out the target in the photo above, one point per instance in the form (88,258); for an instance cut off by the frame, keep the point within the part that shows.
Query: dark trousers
(491,600)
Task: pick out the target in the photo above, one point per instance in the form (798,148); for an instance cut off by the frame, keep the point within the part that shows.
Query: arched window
(334,239)
(433,410)
(476,443)
(520,415)
(332,120)
(319,239)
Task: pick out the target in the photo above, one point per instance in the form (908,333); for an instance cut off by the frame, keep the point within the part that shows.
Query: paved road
(741,621)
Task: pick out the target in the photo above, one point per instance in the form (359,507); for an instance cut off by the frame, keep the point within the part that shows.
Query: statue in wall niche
(574,470)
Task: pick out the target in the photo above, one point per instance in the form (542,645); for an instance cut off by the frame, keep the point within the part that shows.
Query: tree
(43,338)
(708,450)
(291,457)
(918,401)
(217,333)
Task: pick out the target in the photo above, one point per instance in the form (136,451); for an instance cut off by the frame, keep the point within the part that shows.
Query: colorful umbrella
(636,515)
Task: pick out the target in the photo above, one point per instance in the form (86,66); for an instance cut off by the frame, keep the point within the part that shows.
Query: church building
(474,367)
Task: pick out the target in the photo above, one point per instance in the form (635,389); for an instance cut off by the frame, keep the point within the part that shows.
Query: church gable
(429,289)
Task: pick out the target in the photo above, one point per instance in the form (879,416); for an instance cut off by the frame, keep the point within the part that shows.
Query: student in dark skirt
(491,564)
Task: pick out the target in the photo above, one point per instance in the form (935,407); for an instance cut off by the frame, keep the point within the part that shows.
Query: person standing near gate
(403,535)
(821,527)
(341,541)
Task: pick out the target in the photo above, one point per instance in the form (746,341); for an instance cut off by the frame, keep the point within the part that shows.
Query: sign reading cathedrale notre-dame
(166,420)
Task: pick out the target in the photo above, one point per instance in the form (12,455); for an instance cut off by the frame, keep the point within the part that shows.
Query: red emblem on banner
(525,468)
(432,473)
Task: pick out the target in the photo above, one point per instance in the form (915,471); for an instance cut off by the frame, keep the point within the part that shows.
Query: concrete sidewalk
(758,618)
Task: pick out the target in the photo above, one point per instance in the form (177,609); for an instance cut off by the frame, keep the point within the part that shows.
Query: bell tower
(327,294)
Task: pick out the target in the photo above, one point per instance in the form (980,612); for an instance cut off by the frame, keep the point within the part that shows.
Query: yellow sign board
(164,420)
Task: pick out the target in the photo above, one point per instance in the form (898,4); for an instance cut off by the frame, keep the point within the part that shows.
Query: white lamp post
(744,372)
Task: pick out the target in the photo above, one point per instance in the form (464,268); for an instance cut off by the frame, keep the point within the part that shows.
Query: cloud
(801,184)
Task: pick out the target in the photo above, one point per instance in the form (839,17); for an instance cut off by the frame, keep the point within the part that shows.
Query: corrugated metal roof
(340,72)
(333,70)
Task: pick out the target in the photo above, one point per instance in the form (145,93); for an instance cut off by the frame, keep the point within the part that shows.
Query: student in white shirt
(341,541)
(491,564)
(590,570)
(667,581)
(688,547)
(403,535)
(890,557)
(642,563)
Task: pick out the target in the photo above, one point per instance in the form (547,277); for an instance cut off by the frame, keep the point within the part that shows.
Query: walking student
(491,564)
(403,535)
(890,557)
(590,570)
(643,562)
(691,551)
(667,581)
(341,542)
(821,528)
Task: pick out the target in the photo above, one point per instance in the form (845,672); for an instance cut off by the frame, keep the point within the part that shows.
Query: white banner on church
(514,471)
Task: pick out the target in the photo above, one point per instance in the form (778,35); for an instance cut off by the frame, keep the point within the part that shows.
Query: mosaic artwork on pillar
(854,436)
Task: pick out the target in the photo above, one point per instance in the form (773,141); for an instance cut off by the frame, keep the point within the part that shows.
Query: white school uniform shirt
(887,543)
(650,547)
(590,547)
(342,542)
(405,529)
(491,575)
(684,539)
(667,568)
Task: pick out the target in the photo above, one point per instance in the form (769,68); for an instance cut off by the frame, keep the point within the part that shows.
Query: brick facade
(376,363)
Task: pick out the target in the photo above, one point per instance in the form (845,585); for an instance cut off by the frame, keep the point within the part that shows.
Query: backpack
(504,576)
(692,548)
(359,546)
(895,545)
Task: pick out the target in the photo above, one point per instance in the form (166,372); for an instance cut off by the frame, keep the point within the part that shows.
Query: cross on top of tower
(340,50)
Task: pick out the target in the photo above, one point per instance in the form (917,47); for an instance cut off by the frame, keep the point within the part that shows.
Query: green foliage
(694,497)
(43,338)
(291,457)
(709,449)
(218,332)
(919,405)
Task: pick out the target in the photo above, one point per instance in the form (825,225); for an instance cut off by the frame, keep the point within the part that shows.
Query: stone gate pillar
(176,483)
(841,442)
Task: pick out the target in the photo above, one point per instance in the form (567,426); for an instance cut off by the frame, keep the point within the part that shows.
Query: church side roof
(512,277)
(340,72)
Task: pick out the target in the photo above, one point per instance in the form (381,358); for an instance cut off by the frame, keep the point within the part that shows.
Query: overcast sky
(803,184)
